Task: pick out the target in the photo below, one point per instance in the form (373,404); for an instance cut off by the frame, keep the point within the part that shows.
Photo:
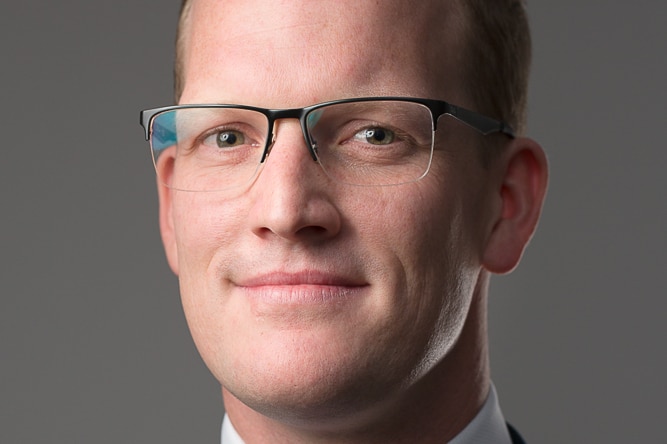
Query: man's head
(325,305)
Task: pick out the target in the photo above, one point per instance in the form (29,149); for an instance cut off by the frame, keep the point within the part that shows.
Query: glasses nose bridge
(280,114)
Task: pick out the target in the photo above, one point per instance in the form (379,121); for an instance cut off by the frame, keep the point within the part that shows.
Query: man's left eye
(375,136)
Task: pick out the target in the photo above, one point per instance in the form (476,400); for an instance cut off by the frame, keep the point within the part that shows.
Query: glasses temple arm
(483,124)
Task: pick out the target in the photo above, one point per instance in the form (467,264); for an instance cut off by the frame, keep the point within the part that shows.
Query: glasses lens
(208,148)
(381,142)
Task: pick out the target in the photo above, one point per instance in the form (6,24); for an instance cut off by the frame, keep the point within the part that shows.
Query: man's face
(303,293)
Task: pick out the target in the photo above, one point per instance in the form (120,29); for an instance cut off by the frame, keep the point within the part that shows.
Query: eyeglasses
(372,141)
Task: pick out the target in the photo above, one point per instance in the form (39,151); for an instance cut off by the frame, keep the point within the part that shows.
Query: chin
(317,378)
(319,399)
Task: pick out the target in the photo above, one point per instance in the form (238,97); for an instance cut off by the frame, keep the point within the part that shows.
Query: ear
(521,189)
(165,167)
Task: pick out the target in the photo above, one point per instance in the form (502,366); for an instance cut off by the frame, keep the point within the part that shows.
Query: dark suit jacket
(516,438)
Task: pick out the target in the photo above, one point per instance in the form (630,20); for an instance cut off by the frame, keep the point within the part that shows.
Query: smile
(300,289)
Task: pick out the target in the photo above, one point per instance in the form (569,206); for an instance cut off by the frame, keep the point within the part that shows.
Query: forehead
(315,50)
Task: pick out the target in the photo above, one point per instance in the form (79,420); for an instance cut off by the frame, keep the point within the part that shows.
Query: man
(334,259)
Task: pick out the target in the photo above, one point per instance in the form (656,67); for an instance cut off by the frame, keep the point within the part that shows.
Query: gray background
(93,345)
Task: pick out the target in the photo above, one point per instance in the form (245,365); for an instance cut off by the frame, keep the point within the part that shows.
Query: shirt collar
(488,427)
(229,435)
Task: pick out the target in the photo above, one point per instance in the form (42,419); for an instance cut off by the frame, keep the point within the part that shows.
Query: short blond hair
(497,58)
(183,18)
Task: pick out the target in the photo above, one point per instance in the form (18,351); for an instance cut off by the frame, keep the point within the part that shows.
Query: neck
(432,410)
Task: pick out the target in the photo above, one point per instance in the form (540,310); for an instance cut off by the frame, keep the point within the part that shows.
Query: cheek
(422,227)
(442,274)
(420,237)
(203,228)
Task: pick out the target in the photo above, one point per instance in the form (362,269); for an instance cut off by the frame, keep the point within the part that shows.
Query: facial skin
(327,310)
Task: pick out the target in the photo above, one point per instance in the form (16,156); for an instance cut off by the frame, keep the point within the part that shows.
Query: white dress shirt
(488,427)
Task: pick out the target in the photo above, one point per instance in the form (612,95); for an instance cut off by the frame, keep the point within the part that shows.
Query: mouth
(279,289)
(307,277)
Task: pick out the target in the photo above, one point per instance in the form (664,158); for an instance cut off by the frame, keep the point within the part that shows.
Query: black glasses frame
(481,123)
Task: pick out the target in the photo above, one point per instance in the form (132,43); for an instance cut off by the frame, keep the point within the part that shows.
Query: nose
(292,198)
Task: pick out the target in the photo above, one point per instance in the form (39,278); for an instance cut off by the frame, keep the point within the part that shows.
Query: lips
(309,287)
(307,277)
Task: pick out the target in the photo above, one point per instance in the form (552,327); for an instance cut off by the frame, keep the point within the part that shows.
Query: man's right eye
(225,139)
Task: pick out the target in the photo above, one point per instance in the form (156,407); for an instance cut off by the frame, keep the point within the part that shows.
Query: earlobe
(521,189)
(165,168)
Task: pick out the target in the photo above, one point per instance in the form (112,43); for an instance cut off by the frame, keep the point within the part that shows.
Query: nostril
(312,231)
